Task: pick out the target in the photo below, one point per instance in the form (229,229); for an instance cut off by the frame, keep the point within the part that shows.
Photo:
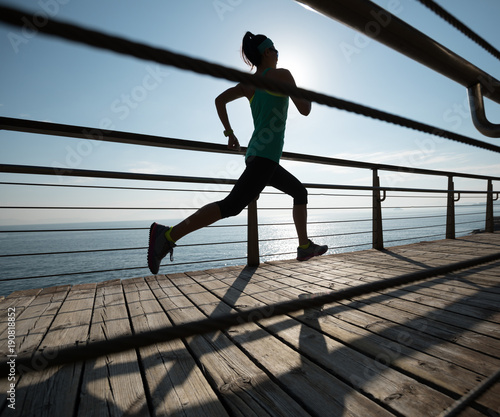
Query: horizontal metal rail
(97,39)
(39,170)
(104,229)
(90,133)
(378,23)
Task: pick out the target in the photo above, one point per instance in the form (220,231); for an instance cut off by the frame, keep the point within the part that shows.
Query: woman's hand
(233,143)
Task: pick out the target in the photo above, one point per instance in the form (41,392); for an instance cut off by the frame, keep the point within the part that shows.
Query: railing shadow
(313,345)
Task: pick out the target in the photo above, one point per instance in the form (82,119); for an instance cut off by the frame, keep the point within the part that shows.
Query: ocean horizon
(56,257)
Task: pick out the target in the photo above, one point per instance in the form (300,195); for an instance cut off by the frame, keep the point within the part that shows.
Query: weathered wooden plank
(393,389)
(424,366)
(494,404)
(472,360)
(348,340)
(477,299)
(457,320)
(71,325)
(440,286)
(376,268)
(175,383)
(405,300)
(412,293)
(321,392)
(53,391)
(112,384)
(18,300)
(33,321)
(462,336)
(423,341)
(243,387)
(459,308)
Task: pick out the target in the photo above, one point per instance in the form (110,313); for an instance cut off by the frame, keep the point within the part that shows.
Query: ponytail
(250,49)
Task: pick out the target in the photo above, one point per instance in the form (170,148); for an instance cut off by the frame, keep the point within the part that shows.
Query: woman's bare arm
(221,101)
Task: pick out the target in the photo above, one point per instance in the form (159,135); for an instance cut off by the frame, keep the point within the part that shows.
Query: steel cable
(462,403)
(457,24)
(97,39)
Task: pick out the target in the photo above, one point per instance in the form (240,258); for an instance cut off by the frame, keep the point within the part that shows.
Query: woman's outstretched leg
(162,239)
(300,220)
(201,218)
(286,182)
(307,249)
(253,180)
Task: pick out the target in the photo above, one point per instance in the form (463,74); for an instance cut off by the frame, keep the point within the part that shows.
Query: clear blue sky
(48,79)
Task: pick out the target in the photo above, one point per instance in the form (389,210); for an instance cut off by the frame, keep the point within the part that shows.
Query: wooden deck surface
(410,351)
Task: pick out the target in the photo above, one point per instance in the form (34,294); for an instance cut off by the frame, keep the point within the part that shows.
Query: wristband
(228,132)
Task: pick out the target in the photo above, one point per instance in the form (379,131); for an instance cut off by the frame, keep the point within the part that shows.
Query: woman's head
(253,47)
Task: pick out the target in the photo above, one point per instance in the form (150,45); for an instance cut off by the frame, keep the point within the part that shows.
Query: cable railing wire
(110,187)
(103,229)
(237,242)
(97,349)
(463,402)
(241,242)
(207,261)
(97,39)
(70,354)
(457,24)
(413,238)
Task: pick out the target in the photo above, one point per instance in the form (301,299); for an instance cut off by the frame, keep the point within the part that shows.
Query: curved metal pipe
(478,113)
(378,23)
(383,26)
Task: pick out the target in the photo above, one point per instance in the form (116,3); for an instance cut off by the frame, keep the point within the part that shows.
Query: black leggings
(258,173)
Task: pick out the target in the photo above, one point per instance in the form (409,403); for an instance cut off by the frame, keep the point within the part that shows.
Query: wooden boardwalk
(410,351)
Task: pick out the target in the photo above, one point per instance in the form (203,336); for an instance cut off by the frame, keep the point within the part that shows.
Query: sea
(39,256)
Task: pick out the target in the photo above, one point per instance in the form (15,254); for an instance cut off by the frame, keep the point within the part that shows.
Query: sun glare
(297,57)
(305,6)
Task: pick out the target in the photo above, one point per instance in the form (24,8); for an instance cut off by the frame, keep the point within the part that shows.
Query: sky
(49,79)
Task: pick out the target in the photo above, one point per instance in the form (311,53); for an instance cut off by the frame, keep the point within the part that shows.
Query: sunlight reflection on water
(276,234)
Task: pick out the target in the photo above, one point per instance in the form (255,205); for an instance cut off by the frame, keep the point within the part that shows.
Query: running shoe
(311,251)
(159,247)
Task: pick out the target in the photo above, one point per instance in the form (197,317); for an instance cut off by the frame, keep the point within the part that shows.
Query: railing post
(450,211)
(488,227)
(377,231)
(253,235)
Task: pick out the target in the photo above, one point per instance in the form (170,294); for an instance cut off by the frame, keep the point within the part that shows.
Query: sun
(298,57)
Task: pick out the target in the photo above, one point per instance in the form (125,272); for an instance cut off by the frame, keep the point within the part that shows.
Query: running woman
(269,113)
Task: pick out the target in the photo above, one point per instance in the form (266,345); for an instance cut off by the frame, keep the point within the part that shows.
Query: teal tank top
(269,112)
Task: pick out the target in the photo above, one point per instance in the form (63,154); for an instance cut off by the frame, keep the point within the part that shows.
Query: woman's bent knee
(300,197)
(229,210)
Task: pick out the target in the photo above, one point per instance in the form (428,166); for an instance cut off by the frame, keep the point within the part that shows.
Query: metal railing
(377,22)
(374,192)
(362,15)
